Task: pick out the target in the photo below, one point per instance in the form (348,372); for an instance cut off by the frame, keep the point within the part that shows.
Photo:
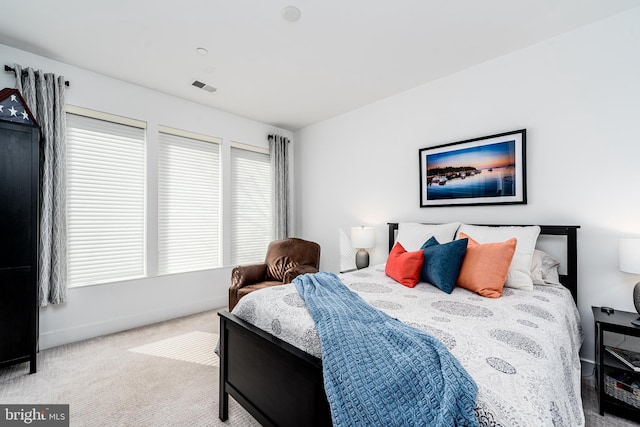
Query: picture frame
(481,171)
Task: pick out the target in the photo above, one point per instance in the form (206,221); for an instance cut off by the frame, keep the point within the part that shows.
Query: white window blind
(251,224)
(188,203)
(105,200)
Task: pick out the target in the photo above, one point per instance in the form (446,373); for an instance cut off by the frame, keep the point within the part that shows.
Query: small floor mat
(195,347)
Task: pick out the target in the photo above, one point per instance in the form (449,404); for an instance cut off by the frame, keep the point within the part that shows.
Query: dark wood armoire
(19,207)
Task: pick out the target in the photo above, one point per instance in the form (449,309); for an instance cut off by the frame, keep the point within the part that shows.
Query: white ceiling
(339,56)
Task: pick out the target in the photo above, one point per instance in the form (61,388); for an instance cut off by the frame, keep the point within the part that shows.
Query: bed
(522,348)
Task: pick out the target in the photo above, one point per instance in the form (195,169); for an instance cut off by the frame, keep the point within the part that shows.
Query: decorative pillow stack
(483,259)
(418,255)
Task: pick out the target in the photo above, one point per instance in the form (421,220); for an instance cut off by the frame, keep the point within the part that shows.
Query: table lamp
(362,238)
(629,256)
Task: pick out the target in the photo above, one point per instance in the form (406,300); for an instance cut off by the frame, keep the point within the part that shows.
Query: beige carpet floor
(107,384)
(130,379)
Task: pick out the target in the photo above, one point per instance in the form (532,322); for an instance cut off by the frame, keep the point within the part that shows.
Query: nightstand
(608,368)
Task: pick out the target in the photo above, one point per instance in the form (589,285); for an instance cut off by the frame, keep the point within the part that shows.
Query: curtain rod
(7,68)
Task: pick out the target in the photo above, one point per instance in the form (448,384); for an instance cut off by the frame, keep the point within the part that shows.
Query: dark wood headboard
(570,279)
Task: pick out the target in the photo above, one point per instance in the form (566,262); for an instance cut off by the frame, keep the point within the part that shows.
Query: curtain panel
(279,154)
(44,94)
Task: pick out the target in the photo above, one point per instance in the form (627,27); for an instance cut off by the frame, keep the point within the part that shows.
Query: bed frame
(281,385)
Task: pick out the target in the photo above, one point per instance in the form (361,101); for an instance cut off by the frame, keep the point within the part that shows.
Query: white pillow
(519,275)
(412,235)
(544,269)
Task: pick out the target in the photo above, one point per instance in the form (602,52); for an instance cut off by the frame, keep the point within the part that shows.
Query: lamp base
(636,297)
(362,259)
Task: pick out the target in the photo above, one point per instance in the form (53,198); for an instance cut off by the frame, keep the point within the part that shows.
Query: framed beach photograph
(479,171)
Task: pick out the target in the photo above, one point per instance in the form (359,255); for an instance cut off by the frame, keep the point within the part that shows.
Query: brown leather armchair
(285,260)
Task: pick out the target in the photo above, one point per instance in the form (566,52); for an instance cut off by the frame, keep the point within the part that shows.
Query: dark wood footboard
(277,383)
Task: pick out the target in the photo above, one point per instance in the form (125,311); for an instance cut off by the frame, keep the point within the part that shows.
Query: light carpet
(106,384)
(194,347)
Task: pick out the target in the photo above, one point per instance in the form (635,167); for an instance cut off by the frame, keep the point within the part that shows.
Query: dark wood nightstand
(607,366)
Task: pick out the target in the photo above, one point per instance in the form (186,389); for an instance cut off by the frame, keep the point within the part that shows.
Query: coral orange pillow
(404,267)
(484,269)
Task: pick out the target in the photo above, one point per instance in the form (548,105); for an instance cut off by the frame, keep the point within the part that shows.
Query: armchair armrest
(244,275)
(294,272)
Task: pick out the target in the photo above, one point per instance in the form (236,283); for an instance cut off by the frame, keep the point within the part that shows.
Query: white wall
(578,96)
(100,309)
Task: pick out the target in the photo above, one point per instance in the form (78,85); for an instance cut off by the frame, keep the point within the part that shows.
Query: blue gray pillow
(442,262)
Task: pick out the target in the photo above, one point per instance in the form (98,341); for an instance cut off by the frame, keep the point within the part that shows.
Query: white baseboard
(81,332)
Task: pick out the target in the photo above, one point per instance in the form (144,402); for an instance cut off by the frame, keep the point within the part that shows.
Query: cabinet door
(16,195)
(15,312)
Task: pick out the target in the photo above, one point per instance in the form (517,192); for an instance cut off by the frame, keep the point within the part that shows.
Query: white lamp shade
(363,237)
(629,254)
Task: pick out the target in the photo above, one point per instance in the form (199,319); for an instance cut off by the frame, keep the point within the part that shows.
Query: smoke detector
(291,13)
(203,86)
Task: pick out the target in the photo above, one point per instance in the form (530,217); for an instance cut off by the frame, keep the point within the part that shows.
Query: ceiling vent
(203,86)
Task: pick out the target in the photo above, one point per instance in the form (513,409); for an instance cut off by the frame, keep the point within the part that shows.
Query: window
(251,217)
(107,200)
(105,197)
(188,202)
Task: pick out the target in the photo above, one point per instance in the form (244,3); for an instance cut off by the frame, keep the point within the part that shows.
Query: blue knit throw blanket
(379,371)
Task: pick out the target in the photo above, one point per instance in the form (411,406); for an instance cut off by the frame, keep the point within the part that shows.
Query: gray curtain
(44,94)
(279,153)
